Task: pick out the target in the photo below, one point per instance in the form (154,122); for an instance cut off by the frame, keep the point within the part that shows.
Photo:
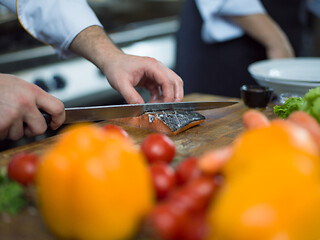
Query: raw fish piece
(167,122)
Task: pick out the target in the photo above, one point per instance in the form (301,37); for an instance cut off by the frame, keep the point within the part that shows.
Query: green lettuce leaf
(11,195)
(310,104)
(291,105)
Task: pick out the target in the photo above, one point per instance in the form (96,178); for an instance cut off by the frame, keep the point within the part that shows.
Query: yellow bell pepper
(272,187)
(93,185)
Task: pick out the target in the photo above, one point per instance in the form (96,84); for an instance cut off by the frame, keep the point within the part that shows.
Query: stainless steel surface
(6,15)
(146,30)
(83,114)
(126,21)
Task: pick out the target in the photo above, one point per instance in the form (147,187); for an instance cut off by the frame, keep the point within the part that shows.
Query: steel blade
(97,113)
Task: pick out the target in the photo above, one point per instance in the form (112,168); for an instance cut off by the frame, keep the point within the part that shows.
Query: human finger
(15,132)
(178,86)
(3,133)
(159,73)
(54,107)
(130,94)
(35,123)
(11,115)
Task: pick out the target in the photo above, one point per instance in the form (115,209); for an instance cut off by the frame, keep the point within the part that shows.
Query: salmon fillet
(167,122)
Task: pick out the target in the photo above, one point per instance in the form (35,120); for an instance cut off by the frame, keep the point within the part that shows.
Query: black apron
(221,68)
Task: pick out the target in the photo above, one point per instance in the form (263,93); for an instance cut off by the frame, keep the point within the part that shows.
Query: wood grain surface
(219,129)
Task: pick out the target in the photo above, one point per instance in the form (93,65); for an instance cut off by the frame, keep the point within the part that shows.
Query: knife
(97,113)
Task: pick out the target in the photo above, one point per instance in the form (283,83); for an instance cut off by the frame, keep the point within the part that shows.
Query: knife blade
(97,113)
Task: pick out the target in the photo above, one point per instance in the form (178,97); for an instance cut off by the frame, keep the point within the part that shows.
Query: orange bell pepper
(271,188)
(93,184)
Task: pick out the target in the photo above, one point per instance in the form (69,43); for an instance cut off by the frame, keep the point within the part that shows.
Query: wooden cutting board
(219,129)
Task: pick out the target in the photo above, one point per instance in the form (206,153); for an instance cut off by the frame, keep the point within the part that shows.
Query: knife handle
(47,117)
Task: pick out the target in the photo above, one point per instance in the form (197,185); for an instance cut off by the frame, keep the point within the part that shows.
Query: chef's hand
(127,71)
(124,72)
(20,102)
(280,50)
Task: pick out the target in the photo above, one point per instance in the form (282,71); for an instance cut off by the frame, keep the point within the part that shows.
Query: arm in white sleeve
(217,26)
(55,22)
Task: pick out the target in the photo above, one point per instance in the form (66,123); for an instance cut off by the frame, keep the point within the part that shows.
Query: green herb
(291,105)
(310,104)
(11,195)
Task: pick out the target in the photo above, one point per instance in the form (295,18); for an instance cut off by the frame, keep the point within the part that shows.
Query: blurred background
(140,27)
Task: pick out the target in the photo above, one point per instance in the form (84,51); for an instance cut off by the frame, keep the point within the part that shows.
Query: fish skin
(167,122)
(176,120)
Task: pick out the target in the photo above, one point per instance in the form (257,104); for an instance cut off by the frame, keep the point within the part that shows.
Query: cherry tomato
(164,222)
(187,170)
(182,215)
(115,129)
(194,227)
(163,178)
(181,200)
(202,189)
(195,196)
(158,147)
(22,167)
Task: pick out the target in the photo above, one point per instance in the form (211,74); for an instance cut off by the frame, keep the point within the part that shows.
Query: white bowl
(296,75)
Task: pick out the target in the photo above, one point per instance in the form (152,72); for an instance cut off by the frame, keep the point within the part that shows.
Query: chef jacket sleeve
(216,25)
(56,22)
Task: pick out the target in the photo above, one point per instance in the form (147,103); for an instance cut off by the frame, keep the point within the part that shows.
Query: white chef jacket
(55,22)
(216,26)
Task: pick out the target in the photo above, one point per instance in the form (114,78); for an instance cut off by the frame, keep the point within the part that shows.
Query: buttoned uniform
(54,22)
(213,53)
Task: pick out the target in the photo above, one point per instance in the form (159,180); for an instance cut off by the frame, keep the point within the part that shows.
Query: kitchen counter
(220,129)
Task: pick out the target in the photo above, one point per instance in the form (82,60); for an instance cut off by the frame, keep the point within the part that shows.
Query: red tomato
(115,129)
(22,167)
(163,178)
(181,200)
(187,170)
(158,148)
(202,190)
(164,222)
(194,227)
(195,196)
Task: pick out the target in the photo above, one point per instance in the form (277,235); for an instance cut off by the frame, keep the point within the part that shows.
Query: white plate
(296,76)
(284,70)
(294,88)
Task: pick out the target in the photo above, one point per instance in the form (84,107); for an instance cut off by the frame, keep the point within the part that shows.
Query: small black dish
(255,96)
